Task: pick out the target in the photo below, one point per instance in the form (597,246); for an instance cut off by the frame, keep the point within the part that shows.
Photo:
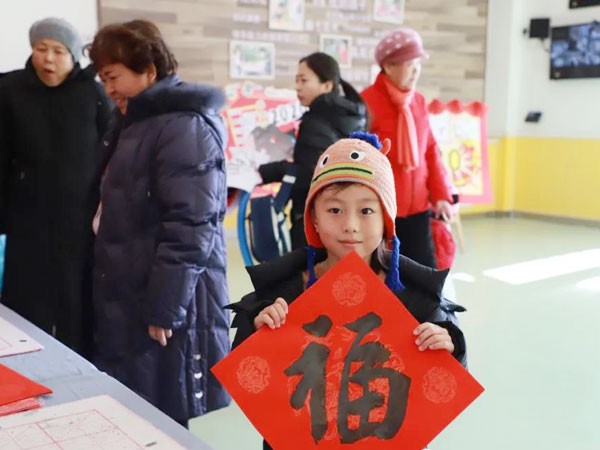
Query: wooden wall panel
(199,31)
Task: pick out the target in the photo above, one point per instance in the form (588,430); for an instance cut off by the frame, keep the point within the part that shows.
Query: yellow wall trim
(549,176)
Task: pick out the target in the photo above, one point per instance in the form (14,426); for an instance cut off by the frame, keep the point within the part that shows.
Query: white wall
(16,16)
(518,80)
(499,80)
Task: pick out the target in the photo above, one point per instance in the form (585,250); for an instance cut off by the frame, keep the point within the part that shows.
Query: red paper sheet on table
(15,387)
(19,406)
(344,371)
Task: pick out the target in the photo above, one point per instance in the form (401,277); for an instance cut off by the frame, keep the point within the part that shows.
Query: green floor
(534,346)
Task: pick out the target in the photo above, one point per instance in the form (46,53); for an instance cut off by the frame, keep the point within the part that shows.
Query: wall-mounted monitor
(575,51)
(582,3)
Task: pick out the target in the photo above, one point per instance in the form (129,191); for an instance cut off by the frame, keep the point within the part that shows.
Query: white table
(72,377)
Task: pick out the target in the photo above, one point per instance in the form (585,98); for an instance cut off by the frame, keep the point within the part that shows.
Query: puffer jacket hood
(172,95)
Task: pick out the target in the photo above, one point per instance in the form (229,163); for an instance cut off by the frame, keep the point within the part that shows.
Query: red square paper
(15,387)
(327,385)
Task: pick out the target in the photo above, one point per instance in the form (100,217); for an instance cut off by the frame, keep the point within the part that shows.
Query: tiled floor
(535,346)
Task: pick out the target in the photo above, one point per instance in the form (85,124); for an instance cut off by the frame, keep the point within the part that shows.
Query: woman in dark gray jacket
(335,111)
(160,259)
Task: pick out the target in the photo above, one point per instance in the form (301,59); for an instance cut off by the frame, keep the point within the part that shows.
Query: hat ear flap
(392,278)
(387,145)
(311,257)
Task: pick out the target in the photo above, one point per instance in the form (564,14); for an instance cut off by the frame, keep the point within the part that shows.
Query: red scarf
(406,144)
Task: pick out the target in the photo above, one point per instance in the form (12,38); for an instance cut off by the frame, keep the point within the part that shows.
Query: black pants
(416,242)
(184,423)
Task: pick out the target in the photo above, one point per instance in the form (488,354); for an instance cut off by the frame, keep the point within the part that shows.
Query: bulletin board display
(262,40)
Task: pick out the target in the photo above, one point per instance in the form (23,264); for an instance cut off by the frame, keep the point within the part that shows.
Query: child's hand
(160,334)
(273,316)
(433,337)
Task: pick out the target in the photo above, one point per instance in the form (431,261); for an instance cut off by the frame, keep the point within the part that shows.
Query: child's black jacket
(282,277)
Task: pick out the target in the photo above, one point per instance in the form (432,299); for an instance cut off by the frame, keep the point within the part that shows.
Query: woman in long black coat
(52,115)
(331,116)
(160,281)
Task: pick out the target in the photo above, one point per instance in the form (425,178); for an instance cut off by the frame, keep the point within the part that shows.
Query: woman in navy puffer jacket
(160,259)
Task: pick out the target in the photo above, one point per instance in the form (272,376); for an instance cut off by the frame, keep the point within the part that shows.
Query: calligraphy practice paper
(14,341)
(93,423)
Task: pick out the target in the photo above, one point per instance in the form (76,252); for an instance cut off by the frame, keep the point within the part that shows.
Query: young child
(351,206)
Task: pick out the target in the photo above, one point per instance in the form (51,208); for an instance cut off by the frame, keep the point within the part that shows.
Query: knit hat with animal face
(359,159)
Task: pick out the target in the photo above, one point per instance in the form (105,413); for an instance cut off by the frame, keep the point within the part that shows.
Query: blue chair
(2,250)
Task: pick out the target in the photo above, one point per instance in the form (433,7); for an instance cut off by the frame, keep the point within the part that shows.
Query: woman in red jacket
(398,112)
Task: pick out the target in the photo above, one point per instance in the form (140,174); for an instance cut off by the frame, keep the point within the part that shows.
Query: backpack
(269,233)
